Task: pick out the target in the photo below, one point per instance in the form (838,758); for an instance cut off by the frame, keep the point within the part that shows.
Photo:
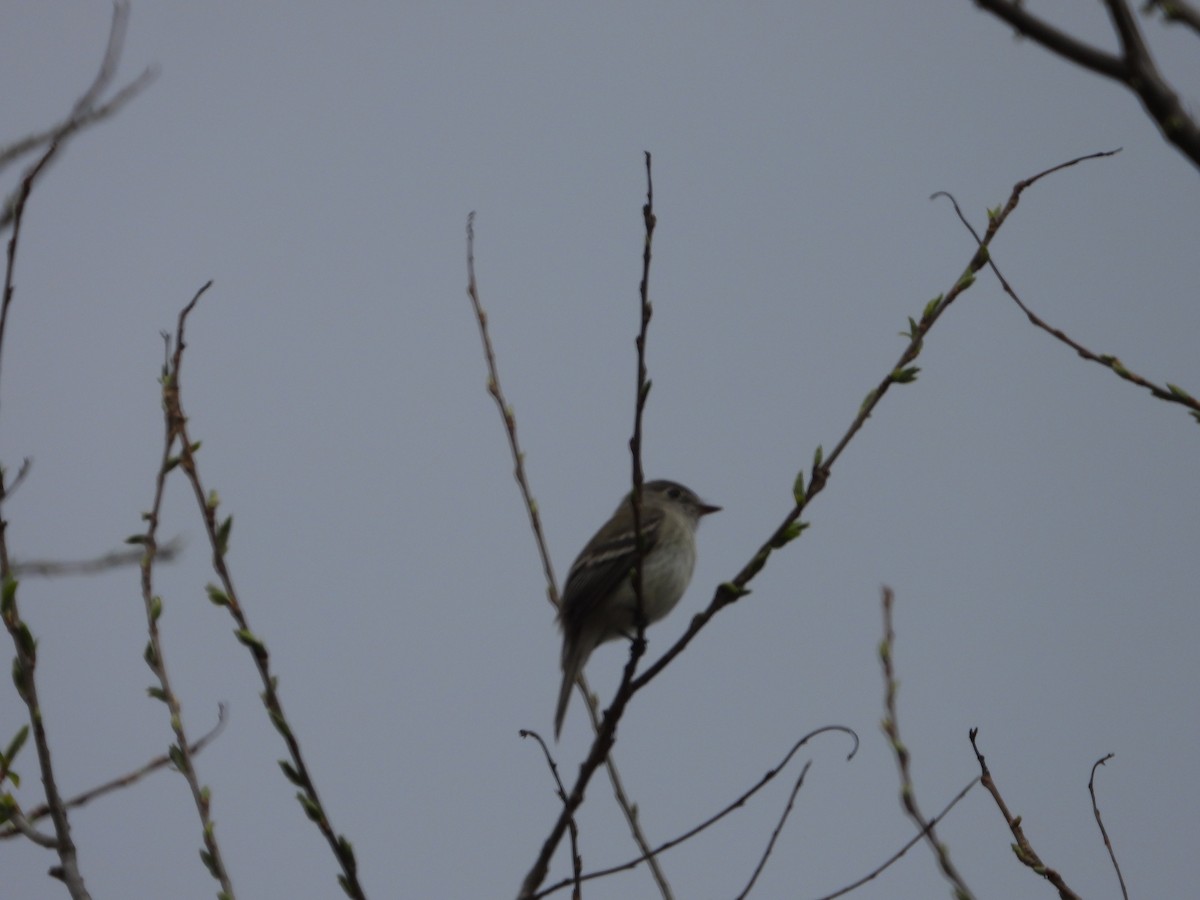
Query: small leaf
(19,678)
(15,745)
(931,307)
(867,400)
(1178,391)
(194,447)
(171,463)
(310,808)
(150,656)
(905,376)
(157,693)
(177,758)
(156,608)
(209,863)
(290,773)
(8,597)
(214,499)
(798,488)
(729,589)
(136,539)
(246,636)
(280,723)
(346,850)
(26,641)
(966,281)
(217,596)
(223,535)
(790,533)
(818,457)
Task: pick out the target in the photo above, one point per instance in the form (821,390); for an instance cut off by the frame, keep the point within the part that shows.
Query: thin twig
(1168,392)
(787,811)
(155,659)
(114,559)
(606,733)
(1022,848)
(128,779)
(891,728)
(916,838)
(509,418)
(738,803)
(296,771)
(1104,831)
(25,661)
(642,385)
(23,827)
(576,860)
(85,112)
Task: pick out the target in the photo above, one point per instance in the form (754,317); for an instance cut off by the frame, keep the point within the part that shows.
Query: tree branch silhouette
(1133,67)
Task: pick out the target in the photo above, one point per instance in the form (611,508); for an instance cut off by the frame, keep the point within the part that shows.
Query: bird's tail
(572,665)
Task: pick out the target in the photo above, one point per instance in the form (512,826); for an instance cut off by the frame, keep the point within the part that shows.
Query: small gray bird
(599,603)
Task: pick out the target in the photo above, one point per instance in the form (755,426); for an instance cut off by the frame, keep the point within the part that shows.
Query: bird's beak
(706,509)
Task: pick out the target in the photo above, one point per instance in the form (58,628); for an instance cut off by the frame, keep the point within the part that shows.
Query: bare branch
(560,789)
(1022,848)
(606,734)
(787,811)
(902,372)
(509,418)
(738,803)
(891,728)
(1176,12)
(180,751)
(296,771)
(878,870)
(85,111)
(1169,392)
(1134,68)
(126,780)
(114,559)
(25,661)
(1026,23)
(1104,831)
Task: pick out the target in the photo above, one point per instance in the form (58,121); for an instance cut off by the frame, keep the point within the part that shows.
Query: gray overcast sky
(1036,516)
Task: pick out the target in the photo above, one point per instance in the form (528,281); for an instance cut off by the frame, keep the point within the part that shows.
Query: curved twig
(880,869)
(128,779)
(737,803)
(1104,831)
(1169,392)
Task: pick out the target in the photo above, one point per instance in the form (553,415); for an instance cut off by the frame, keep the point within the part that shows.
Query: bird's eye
(673,493)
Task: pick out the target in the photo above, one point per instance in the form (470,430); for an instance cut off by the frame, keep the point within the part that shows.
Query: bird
(599,602)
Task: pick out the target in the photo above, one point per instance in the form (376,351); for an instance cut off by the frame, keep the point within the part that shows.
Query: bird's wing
(604,563)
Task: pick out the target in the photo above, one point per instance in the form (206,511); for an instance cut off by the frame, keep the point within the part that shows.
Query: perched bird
(599,603)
